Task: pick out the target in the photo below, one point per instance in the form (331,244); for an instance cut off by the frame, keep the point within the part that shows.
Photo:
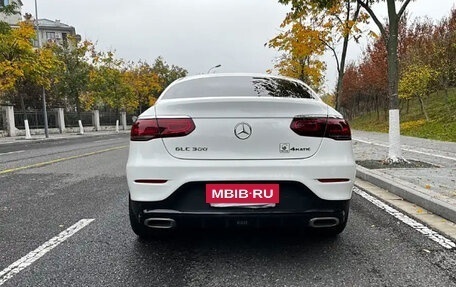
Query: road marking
(431,234)
(407,149)
(40,164)
(36,254)
(11,152)
(105,140)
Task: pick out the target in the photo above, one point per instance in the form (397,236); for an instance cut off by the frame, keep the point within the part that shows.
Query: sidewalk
(431,188)
(54,136)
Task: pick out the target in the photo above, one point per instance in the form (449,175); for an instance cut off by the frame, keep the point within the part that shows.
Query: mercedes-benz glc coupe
(239,150)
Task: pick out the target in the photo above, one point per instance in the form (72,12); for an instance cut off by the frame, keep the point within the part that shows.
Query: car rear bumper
(151,161)
(187,208)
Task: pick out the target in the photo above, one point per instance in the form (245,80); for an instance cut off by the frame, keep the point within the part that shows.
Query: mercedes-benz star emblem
(242,131)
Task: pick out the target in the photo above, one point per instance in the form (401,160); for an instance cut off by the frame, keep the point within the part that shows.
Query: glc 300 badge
(242,131)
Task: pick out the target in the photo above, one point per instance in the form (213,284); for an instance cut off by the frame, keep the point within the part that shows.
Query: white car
(242,150)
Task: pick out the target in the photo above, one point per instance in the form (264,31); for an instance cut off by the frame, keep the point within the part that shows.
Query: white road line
(107,140)
(407,149)
(36,254)
(11,152)
(431,234)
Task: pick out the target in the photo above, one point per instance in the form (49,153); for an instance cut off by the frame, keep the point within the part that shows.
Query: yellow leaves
(17,55)
(152,101)
(9,72)
(372,34)
(416,80)
(46,68)
(410,125)
(312,27)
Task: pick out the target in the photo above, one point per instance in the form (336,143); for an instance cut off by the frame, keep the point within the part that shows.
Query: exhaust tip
(161,223)
(321,222)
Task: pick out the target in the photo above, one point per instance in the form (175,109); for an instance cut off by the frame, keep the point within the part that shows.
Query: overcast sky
(194,34)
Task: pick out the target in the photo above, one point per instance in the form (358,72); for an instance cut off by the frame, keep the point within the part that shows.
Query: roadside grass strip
(40,164)
(431,234)
(36,254)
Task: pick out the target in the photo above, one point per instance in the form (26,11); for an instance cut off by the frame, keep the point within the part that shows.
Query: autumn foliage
(76,75)
(427,63)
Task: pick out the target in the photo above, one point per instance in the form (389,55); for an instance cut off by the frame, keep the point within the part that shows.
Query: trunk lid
(241,128)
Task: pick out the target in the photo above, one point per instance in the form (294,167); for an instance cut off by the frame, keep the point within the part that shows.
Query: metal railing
(109,118)
(130,118)
(72,118)
(35,119)
(2,124)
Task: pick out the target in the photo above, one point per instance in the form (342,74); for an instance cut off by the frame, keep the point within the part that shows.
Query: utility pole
(46,128)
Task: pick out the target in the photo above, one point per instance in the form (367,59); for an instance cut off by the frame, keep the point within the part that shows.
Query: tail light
(337,129)
(147,129)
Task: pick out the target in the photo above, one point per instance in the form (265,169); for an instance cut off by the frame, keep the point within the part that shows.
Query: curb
(409,192)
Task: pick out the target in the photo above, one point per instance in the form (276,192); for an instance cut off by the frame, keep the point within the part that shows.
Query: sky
(196,34)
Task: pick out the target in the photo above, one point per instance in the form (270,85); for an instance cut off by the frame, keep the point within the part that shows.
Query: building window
(65,38)
(50,35)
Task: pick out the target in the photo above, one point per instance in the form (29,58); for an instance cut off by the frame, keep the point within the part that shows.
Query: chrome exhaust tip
(161,223)
(320,222)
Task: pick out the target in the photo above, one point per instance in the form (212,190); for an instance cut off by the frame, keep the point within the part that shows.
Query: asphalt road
(85,179)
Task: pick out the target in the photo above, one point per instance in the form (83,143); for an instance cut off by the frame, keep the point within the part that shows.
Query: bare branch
(404,6)
(333,50)
(338,19)
(374,17)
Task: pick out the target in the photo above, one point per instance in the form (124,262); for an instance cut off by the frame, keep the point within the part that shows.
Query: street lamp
(218,66)
(46,128)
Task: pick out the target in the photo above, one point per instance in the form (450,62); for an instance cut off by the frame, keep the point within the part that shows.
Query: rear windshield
(241,86)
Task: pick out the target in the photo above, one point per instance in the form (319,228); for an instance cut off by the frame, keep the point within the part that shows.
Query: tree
(444,53)
(166,74)
(337,22)
(108,84)
(16,55)
(302,46)
(416,81)
(390,33)
(144,82)
(75,56)
(21,64)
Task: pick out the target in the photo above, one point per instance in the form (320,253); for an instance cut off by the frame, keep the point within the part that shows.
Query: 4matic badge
(286,148)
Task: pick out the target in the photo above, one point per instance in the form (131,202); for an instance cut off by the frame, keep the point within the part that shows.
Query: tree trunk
(394,152)
(377,107)
(447,97)
(423,109)
(341,70)
(340,76)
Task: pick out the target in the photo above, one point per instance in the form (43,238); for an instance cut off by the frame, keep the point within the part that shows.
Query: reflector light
(337,129)
(150,181)
(329,180)
(147,129)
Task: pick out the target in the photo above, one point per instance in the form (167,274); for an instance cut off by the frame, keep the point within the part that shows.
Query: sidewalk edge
(400,188)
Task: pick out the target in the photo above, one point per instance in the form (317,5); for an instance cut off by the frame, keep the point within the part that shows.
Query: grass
(441,124)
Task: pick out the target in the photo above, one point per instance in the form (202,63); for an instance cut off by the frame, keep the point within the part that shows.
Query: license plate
(249,193)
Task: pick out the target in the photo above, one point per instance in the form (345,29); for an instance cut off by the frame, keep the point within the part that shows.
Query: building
(54,31)
(50,31)
(12,20)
